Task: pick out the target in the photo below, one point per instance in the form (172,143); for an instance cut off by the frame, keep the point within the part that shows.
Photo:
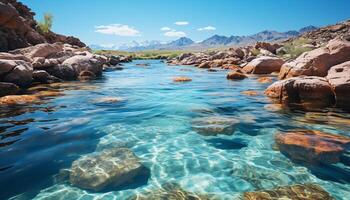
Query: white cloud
(207,28)
(174,33)
(182,23)
(117,29)
(165,29)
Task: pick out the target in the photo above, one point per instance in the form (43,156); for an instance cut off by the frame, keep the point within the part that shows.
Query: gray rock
(21,74)
(8,89)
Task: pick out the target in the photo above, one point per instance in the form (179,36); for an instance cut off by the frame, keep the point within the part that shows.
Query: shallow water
(154,121)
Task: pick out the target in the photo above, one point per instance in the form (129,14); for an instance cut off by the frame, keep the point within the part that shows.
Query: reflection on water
(142,109)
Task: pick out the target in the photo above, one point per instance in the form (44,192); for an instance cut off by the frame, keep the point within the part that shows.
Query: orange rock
(48,94)
(182,79)
(265,80)
(18,99)
(250,93)
(236,75)
(312,146)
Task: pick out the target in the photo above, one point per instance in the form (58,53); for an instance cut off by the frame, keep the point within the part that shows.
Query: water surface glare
(154,118)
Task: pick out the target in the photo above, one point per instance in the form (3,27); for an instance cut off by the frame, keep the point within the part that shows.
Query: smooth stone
(182,79)
(108,168)
(250,93)
(264,65)
(215,125)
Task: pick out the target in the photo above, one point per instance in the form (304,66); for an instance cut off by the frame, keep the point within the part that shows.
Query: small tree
(46,24)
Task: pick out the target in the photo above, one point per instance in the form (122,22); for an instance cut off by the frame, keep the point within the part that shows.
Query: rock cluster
(321,76)
(47,63)
(325,34)
(18,29)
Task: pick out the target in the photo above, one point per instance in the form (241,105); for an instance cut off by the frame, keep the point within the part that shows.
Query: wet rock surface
(309,89)
(311,146)
(182,79)
(215,125)
(294,192)
(108,168)
(170,191)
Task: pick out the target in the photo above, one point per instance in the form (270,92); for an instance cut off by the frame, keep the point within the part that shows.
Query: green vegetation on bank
(46,24)
(296,47)
(144,55)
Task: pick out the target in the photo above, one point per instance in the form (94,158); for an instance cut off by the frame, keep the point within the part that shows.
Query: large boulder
(41,50)
(264,65)
(10,56)
(18,72)
(339,78)
(312,146)
(296,192)
(307,89)
(111,167)
(72,67)
(317,62)
(267,46)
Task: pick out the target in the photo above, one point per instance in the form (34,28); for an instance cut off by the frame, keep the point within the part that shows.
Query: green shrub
(46,24)
(295,48)
(255,52)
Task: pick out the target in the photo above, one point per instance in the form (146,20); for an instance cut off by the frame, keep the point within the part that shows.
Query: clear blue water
(154,121)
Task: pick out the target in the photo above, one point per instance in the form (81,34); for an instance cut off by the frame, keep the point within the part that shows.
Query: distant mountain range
(213,41)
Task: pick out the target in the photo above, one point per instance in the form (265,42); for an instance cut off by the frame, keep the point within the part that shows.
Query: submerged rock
(108,100)
(264,65)
(211,126)
(170,191)
(294,192)
(312,146)
(109,168)
(18,99)
(250,93)
(182,79)
(264,80)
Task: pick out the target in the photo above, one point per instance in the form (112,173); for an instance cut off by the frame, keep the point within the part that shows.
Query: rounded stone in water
(214,125)
(111,167)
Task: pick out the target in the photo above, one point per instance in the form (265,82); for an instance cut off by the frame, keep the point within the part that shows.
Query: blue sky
(121,21)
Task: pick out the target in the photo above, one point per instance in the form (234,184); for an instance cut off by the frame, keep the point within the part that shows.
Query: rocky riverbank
(30,57)
(318,77)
